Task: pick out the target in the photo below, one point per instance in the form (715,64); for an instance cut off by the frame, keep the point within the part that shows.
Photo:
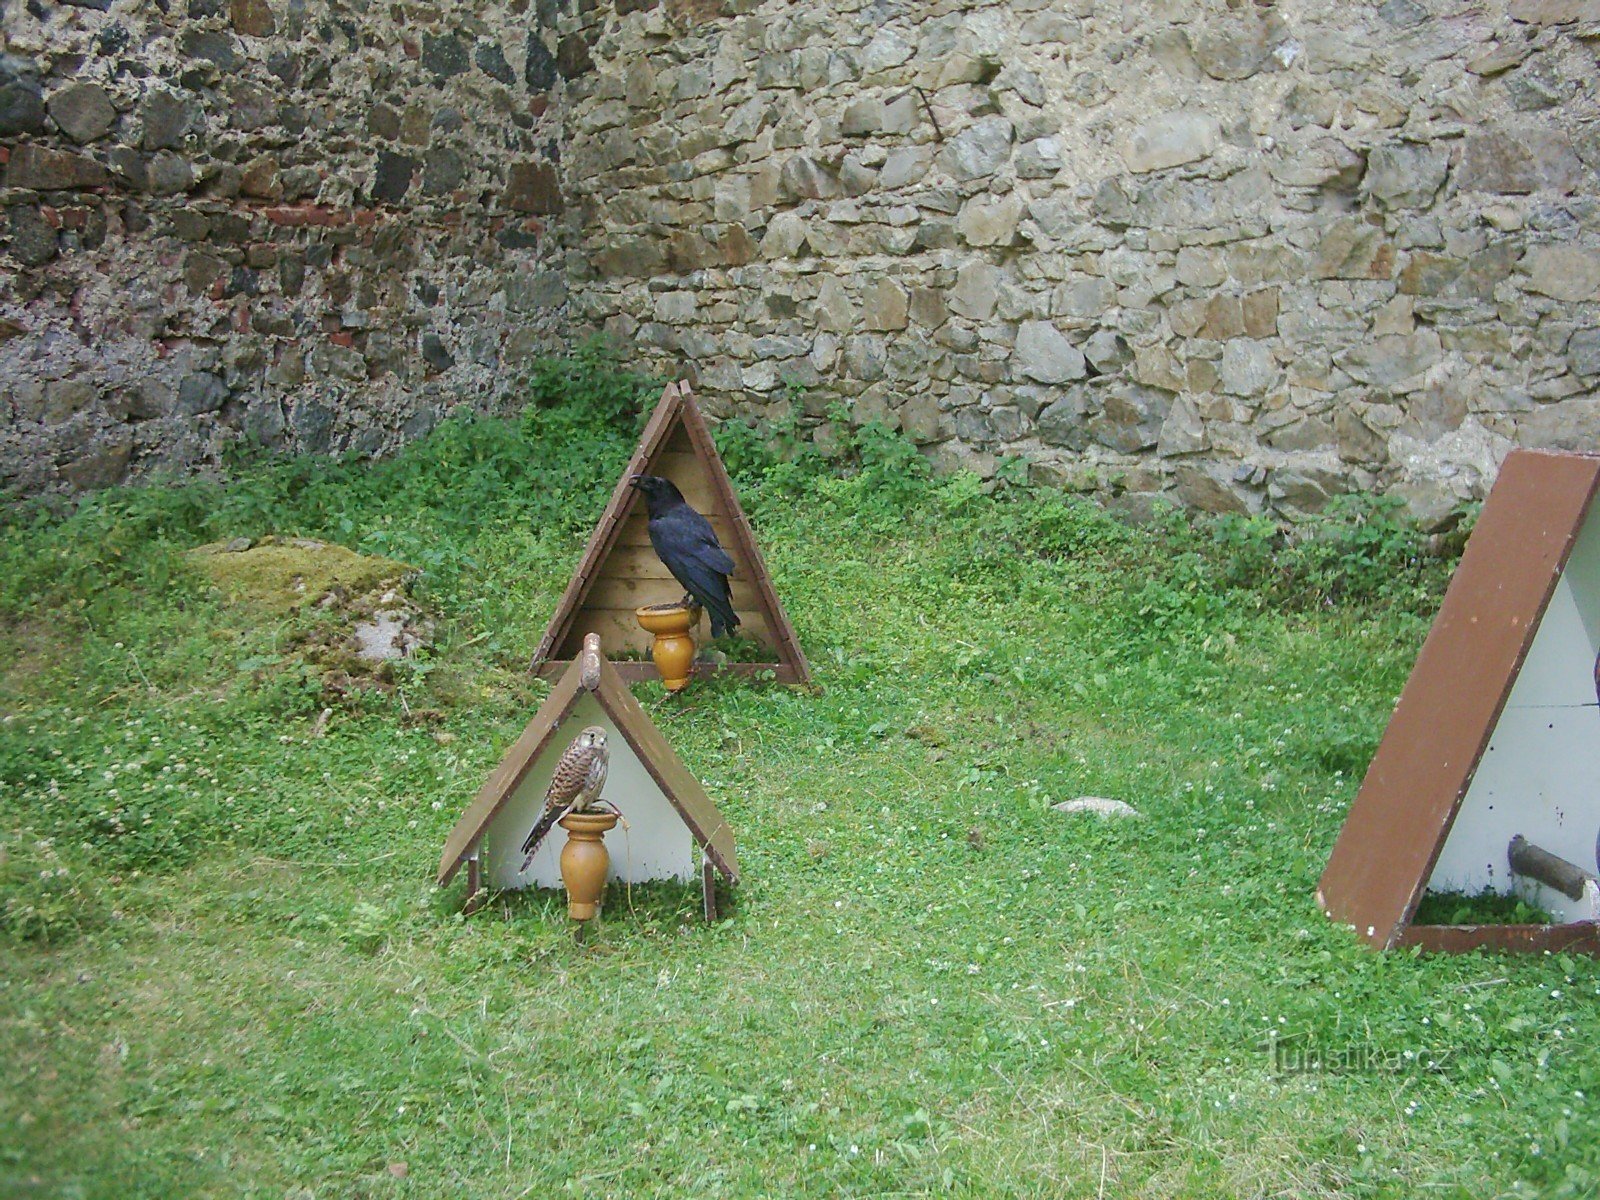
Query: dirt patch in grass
(27,651)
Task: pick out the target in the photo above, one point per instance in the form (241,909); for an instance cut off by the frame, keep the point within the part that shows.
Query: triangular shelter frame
(592,674)
(675,430)
(1449,709)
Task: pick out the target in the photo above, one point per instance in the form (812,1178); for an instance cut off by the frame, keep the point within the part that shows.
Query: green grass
(1486,908)
(228,974)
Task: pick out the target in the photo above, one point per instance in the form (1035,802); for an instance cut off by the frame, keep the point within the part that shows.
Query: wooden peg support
(708,886)
(476,893)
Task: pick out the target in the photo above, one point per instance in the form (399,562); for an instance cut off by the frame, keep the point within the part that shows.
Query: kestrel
(579,775)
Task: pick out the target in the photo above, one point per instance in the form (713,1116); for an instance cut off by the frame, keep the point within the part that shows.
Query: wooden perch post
(591,661)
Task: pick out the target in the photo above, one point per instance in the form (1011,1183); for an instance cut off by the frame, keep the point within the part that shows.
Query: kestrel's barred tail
(575,784)
(541,828)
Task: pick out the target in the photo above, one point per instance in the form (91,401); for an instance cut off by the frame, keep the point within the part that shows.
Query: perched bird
(688,546)
(579,775)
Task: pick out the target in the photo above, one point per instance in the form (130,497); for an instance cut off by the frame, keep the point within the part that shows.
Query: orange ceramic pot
(585,861)
(673,648)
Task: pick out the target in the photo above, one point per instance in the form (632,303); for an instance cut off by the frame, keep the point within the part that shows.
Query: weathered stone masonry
(313,223)
(1237,254)
(1241,255)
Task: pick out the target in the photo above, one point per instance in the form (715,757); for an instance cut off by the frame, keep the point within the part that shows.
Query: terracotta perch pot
(585,862)
(674,645)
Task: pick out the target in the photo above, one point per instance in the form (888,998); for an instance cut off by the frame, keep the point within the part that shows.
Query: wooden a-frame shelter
(667,813)
(1497,732)
(620,572)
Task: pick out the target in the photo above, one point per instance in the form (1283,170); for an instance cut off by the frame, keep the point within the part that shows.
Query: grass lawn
(228,972)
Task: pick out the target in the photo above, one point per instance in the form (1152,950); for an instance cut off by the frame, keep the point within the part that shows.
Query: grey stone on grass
(1100,806)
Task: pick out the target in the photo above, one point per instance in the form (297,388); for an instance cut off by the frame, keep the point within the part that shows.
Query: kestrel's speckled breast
(596,778)
(571,774)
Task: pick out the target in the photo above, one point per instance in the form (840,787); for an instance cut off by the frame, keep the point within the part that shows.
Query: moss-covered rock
(345,615)
(283,575)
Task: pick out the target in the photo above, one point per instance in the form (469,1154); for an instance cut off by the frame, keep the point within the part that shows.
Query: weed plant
(228,972)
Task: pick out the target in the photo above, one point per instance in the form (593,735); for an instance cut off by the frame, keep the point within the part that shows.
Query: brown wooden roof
(590,672)
(619,570)
(1424,765)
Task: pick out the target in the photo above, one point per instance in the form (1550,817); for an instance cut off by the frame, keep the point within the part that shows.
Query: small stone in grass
(399,1170)
(1098,805)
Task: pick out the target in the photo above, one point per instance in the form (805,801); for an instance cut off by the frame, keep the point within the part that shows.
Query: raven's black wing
(686,543)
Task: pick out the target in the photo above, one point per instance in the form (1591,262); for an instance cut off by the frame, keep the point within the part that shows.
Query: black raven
(688,547)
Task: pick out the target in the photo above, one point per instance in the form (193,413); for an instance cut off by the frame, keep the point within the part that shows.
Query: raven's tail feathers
(723,619)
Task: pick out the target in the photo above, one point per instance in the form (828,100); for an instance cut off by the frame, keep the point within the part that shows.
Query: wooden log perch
(1549,869)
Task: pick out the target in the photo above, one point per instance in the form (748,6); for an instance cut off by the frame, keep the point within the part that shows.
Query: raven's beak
(633,480)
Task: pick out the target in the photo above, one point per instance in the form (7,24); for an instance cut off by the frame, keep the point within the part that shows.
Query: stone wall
(315,224)
(1242,255)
